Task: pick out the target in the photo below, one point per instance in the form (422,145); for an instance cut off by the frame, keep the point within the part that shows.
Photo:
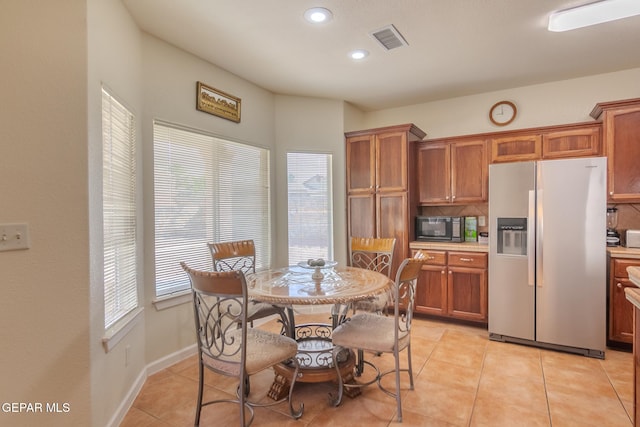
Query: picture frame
(214,101)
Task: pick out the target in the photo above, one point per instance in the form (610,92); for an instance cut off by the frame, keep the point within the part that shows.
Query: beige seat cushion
(370,332)
(258,310)
(264,349)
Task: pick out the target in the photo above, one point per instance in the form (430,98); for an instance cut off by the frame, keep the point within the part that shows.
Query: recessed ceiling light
(358,54)
(317,15)
(592,14)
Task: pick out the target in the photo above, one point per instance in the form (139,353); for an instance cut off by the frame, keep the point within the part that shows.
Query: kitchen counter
(631,293)
(622,252)
(448,246)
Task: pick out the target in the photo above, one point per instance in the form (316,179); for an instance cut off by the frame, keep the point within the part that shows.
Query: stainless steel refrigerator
(547,254)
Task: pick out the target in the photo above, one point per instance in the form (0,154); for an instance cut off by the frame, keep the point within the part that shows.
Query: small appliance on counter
(613,237)
(440,228)
(633,239)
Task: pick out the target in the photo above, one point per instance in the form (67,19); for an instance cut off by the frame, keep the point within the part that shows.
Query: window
(309,206)
(119,209)
(207,189)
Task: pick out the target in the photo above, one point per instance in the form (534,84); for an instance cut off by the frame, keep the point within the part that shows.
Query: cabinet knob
(442,272)
(450,272)
(446,198)
(453,197)
(619,285)
(611,193)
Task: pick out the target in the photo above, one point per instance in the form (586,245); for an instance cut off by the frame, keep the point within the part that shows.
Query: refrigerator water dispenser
(512,236)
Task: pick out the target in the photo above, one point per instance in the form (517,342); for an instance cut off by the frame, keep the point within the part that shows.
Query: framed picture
(217,102)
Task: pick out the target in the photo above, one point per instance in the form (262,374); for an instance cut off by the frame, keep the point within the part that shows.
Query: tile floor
(461,379)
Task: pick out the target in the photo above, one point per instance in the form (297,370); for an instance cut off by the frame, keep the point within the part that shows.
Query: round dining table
(338,286)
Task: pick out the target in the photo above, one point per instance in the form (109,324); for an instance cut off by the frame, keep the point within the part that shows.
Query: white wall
(568,101)
(44,309)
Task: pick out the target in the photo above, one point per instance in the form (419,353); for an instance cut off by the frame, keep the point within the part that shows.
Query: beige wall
(50,177)
(307,124)
(562,102)
(115,60)
(44,309)
(169,89)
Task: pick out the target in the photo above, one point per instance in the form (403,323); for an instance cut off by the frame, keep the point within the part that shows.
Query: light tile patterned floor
(461,379)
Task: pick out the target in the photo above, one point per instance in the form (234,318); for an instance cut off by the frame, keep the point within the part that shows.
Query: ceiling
(455,47)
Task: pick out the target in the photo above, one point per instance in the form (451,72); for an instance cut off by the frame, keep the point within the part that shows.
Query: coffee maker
(613,237)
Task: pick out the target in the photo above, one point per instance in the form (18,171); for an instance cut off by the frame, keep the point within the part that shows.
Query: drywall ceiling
(455,47)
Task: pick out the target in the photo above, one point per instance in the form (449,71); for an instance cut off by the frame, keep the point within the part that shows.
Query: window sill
(172,300)
(120,329)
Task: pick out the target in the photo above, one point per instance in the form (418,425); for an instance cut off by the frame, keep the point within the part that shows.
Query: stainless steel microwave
(440,228)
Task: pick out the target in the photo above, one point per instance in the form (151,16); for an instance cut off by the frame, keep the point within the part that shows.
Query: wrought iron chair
(373,254)
(381,334)
(220,305)
(241,255)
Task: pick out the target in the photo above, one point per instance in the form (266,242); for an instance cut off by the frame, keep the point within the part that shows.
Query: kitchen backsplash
(465,210)
(628,217)
(628,214)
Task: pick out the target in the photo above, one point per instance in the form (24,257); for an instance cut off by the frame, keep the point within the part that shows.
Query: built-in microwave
(440,228)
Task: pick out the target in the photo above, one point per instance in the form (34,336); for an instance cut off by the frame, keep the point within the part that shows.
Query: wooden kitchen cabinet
(578,140)
(620,329)
(381,190)
(575,142)
(454,285)
(515,148)
(621,135)
(452,172)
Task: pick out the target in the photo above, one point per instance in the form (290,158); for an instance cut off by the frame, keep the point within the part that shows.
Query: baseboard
(171,359)
(150,369)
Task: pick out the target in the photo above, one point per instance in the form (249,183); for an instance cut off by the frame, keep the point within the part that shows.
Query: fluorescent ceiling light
(592,14)
(358,54)
(317,15)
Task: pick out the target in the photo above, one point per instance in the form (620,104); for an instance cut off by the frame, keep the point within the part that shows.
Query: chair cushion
(369,332)
(264,349)
(259,310)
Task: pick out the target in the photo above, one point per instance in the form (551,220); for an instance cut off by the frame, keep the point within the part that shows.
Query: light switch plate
(14,237)
(482,222)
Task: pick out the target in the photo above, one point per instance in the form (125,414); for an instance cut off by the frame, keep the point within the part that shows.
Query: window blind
(310,210)
(207,189)
(119,209)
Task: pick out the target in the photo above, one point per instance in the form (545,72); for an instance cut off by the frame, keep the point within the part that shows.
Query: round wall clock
(502,113)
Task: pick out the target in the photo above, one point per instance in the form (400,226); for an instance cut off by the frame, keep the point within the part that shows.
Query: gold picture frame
(216,102)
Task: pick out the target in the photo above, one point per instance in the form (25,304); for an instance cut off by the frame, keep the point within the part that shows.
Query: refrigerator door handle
(531,239)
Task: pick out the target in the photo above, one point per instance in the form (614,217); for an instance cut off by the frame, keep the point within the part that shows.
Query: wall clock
(502,113)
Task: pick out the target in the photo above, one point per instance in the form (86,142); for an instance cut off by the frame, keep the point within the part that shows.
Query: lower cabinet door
(467,295)
(431,292)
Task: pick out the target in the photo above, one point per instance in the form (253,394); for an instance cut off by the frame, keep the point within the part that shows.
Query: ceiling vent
(389,37)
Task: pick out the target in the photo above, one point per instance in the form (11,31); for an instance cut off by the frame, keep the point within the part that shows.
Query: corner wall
(44,309)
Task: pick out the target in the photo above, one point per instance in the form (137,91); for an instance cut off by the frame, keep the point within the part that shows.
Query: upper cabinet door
(622,130)
(469,166)
(620,133)
(391,161)
(516,148)
(361,151)
(434,173)
(571,143)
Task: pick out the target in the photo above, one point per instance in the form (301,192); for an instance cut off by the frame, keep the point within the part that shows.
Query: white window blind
(119,209)
(309,206)
(207,189)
